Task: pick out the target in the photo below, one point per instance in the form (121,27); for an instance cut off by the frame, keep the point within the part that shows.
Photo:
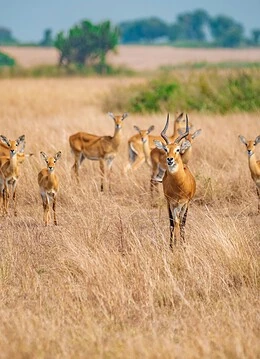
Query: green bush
(208,90)
(158,95)
(6,60)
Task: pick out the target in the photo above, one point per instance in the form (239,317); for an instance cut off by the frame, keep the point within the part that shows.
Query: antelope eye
(177,149)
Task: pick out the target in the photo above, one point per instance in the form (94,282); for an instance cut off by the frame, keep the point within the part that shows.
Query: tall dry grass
(103,283)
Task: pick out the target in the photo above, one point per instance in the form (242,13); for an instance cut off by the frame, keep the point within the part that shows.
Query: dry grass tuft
(103,283)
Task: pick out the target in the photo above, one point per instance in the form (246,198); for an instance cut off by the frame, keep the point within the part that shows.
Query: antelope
(21,155)
(158,157)
(135,146)
(100,148)
(179,184)
(9,171)
(49,186)
(144,135)
(254,165)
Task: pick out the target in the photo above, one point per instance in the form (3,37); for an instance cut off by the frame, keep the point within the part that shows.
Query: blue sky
(28,18)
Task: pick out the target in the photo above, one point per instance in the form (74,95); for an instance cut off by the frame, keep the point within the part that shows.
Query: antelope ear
(242,139)
(179,118)
(257,140)
(137,128)
(57,156)
(159,145)
(150,129)
(5,140)
(22,147)
(111,115)
(196,133)
(44,156)
(20,139)
(184,146)
(124,115)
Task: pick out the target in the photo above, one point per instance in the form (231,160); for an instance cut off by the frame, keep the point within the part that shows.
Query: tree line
(195,26)
(88,43)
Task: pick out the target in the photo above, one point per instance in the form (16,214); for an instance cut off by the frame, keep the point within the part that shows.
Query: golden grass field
(103,283)
(139,58)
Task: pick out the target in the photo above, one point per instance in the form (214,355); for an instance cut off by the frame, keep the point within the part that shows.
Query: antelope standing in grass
(98,148)
(158,157)
(179,184)
(254,165)
(135,146)
(49,186)
(9,171)
(144,136)
(21,155)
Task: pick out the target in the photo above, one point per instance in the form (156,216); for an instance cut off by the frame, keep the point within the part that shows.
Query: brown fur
(179,185)
(135,146)
(49,186)
(101,148)
(9,172)
(254,165)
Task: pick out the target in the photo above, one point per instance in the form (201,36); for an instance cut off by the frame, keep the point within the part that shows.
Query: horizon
(27,21)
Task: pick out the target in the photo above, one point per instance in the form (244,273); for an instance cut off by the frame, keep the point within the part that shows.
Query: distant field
(140,57)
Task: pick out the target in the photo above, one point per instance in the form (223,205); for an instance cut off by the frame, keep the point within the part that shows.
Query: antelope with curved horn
(9,171)
(179,184)
(158,157)
(254,165)
(100,148)
(49,186)
(136,153)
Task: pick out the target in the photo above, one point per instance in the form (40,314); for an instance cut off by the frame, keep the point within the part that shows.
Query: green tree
(86,42)
(6,60)
(226,32)
(6,37)
(47,38)
(256,36)
(190,26)
(143,30)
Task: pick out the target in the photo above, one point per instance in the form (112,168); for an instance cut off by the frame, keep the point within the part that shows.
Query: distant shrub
(159,95)
(6,60)
(208,90)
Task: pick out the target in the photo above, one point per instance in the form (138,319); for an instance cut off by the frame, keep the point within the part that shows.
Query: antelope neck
(117,136)
(253,164)
(13,161)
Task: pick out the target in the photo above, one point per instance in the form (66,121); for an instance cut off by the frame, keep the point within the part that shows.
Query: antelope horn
(163,133)
(178,139)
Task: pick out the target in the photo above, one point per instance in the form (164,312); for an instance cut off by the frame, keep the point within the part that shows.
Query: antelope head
(188,139)
(250,145)
(180,123)
(118,119)
(173,150)
(12,145)
(50,161)
(144,133)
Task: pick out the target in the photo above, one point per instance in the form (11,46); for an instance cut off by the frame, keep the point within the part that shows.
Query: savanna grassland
(103,283)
